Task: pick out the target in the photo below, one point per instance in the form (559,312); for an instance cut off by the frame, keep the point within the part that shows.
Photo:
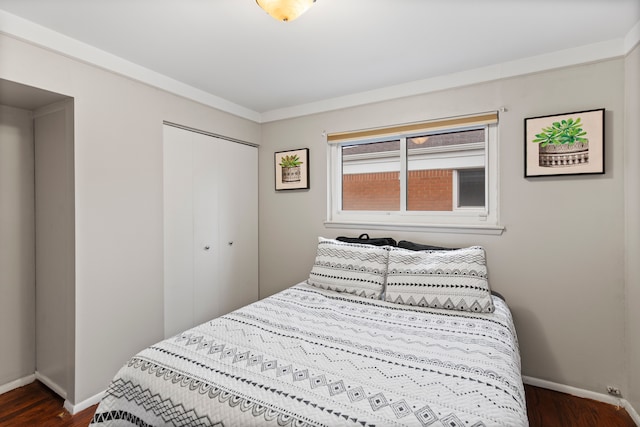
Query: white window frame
(461,220)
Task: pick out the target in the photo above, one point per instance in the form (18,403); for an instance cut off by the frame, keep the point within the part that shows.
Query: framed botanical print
(292,169)
(564,144)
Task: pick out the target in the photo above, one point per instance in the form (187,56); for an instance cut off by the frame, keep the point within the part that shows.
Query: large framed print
(564,144)
(292,169)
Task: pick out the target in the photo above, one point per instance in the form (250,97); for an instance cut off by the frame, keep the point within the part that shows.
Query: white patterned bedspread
(307,356)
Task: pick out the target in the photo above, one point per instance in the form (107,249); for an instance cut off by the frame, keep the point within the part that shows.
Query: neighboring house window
(436,174)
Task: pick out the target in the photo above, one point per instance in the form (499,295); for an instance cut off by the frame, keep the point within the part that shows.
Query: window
(438,174)
(470,188)
(370,176)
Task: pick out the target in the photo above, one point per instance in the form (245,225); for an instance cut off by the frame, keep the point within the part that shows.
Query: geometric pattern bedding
(312,357)
(349,267)
(453,279)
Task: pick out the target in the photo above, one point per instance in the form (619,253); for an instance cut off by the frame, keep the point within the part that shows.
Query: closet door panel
(238,226)
(178,230)
(211,227)
(206,157)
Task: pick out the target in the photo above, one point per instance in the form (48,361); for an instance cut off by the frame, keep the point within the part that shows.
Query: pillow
(454,279)
(405,244)
(350,267)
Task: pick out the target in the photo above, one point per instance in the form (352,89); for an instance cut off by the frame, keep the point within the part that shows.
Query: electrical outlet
(614,391)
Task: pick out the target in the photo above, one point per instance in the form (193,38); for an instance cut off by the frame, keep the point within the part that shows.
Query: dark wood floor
(36,405)
(550,408)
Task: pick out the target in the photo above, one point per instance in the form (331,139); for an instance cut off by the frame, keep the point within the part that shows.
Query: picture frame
(292,169)
(564,144)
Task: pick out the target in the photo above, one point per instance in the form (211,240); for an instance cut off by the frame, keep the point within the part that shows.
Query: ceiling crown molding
(549,61)
(632,39)
(33,33)
(30,32)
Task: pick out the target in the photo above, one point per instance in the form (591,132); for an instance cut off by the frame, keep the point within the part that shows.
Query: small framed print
(564,144)
(292,169)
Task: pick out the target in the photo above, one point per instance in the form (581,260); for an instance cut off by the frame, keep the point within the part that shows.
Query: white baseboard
(74,409)
(17,383)
(587,394)
(632,412)
(51,385)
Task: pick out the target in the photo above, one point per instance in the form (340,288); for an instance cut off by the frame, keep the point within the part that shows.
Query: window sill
(495,230)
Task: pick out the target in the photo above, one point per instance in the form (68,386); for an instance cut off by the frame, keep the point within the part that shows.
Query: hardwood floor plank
(36,405)
(552,408)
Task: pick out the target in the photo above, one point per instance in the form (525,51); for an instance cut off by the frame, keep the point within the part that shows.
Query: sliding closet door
(211,227)
(238,226)
(206,222)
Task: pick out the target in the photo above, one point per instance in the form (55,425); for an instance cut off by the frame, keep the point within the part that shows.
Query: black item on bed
(405,244)
(366,240)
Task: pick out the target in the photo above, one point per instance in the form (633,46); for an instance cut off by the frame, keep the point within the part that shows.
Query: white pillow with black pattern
(350,267)
(453,279)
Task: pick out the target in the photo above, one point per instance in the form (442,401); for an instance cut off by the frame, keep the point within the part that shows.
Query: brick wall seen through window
(429,190)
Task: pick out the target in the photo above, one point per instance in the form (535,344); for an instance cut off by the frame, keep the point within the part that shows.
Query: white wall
(632,232)
(55,252)
(118,201)
(17,254)
(560,261)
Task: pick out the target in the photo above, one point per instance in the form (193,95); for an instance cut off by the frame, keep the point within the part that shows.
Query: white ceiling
(233,50)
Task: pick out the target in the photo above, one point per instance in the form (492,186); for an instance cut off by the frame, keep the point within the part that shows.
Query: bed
(347,347)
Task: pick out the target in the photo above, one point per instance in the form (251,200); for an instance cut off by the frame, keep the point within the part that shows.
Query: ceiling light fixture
(419,140)
(285,10)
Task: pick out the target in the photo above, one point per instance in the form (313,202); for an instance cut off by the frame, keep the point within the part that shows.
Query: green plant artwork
(563,132)
(292,169)
(290,161)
